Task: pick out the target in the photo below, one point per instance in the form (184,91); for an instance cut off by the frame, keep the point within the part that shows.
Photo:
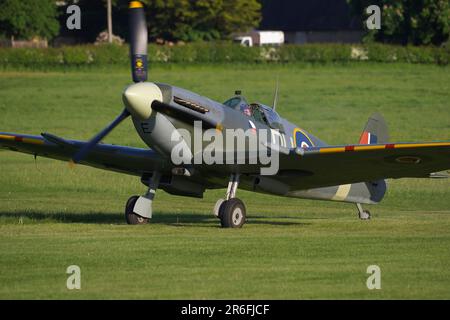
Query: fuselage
(156,130)
(166,117)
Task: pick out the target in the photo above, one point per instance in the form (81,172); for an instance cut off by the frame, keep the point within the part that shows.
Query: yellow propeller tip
(135,4)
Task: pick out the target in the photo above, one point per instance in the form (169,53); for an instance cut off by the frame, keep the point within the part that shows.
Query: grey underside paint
(363,192)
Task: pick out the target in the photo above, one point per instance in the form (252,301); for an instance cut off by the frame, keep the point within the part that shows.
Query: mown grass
(52,217)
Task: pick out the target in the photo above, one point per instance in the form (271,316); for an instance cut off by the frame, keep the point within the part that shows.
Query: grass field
(52,217)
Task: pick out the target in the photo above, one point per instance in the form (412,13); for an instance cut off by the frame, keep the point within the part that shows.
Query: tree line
(406,22)
(171,20)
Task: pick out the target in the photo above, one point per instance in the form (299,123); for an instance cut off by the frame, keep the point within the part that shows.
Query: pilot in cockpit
(239,103)
(245,108)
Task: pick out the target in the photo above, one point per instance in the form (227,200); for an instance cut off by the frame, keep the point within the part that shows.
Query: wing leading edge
(129,160)
(315,167)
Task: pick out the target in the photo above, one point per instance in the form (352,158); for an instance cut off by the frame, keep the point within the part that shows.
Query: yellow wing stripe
(382,147)
(3,137)
(22,139)
(422,145)
(332,150)
(363,148)
(32,141)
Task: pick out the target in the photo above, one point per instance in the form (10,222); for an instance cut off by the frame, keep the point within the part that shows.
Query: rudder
(375,131)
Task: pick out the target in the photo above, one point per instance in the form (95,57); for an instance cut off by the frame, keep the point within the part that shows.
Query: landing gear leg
(363,214)
(231,211)
(139,209)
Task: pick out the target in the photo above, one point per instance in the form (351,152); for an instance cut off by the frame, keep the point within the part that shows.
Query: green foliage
(220,52)
(322,53)
(418,22)
(239,15)
(28,19)
(194,20)
(409,54)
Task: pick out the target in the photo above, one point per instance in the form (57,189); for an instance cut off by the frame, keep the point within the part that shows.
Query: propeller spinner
(138,55)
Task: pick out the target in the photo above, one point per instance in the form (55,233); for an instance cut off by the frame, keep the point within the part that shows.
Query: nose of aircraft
(138,99)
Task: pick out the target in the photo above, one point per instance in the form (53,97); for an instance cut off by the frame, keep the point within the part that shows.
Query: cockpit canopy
(236,102)
(271,117)
(257,111)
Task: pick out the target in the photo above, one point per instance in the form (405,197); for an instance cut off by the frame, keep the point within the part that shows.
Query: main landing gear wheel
(130,216)
(218,208)
(232,213)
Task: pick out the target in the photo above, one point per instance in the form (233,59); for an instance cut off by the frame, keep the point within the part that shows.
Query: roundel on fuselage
(301,140)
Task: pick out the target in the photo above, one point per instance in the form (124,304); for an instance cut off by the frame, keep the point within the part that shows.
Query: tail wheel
(232,213)
(130,216)
(365,215)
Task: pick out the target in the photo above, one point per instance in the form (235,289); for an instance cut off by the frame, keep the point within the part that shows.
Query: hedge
(109,55)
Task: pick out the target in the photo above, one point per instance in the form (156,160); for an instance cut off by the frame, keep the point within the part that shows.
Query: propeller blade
(138,41)
(83,152)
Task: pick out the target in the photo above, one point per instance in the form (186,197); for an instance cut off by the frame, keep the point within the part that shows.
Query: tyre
(232,214)
(365,215)
(130,216)
(218,208)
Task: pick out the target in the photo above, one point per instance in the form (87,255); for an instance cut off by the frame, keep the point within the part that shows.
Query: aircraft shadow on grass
(178,220)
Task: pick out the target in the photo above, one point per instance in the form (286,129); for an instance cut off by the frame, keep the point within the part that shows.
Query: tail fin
(375,131)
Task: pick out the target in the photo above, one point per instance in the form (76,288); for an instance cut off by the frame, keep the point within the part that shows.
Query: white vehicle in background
(260,38)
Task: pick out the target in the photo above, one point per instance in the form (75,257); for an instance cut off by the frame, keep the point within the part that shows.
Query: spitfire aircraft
(307,167)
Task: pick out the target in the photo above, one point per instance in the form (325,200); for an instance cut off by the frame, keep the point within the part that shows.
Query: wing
(327,166)
(134,161)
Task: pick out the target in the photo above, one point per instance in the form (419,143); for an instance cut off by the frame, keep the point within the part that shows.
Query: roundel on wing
(301,140)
